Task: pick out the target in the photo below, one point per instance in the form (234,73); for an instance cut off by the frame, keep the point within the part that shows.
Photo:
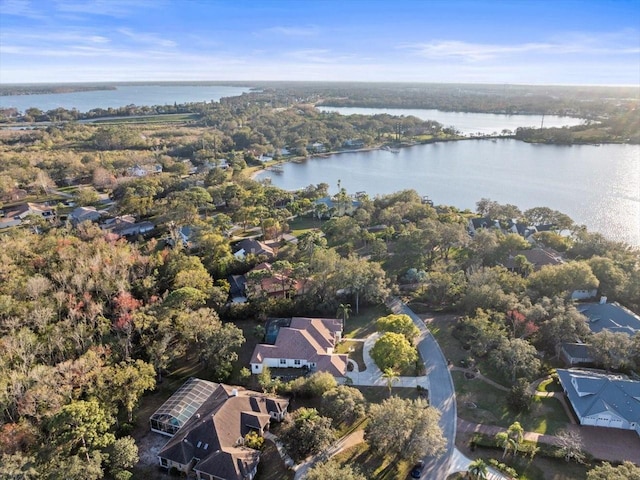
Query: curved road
(441,392)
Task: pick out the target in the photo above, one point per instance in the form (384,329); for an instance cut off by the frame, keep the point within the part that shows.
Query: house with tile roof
(538,257)
(601,399)
(305,343)
(208,422)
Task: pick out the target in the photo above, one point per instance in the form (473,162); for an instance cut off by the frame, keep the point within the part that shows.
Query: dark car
(416,471)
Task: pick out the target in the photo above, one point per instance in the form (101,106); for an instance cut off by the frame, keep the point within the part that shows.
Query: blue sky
(500,41)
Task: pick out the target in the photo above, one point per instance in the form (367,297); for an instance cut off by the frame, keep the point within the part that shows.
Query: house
(602,400)
(479,222)
(610,316)
(304,343)
(16,215)
(316,147)
(584,294)
(353,143)
(249,246)
(83,214)
(126,225)
(237,288)
(574,354)
(208,423)
(144,170)
(538,257)
(337,208)
(272,284)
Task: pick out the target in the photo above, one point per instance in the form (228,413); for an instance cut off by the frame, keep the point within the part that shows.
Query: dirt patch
(148,447)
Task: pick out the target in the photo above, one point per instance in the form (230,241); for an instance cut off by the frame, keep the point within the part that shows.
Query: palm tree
(516,433)
(344,310)
(391,377)
(478,469)
(503,440)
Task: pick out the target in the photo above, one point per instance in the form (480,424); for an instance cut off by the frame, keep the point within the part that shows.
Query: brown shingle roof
(213,432)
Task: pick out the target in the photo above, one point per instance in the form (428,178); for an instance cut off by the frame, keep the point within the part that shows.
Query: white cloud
(20,8)
(109,8)
(147,38)
(570,44)
(309,31)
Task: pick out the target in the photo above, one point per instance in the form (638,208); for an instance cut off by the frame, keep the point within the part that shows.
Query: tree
(391,377)
(344,310)
(478,469)
(516,357)
(398,323)
(123,455)
(393,350)
(571,445)
(81,427)
(332,470)
(611,349)
(504,441)
(405,428)
(626,471)
(128,381)
(362,279)
(519,399)
(343,404)
(305,432)
(552,280)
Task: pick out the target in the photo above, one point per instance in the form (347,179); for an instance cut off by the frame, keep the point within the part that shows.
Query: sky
(582,42)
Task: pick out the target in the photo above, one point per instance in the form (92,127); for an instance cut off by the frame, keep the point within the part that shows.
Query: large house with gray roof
(602,400)
(208,422)
(303,343)
(610,316)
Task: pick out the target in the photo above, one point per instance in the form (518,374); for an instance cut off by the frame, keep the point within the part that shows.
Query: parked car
(416,471)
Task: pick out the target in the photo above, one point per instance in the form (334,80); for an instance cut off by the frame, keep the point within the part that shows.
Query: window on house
(283,361)
(164,462)
(297,362)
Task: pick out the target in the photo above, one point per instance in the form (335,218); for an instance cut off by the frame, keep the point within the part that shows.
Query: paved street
(441,392)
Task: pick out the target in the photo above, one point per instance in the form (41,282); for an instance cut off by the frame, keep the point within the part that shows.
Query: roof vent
(234,392)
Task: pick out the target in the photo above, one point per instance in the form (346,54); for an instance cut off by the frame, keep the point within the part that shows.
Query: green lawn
(354,350)
(363,324)
(549,385)
(546,416)
(480,402)
(374,467)
(271,466)
(303,224)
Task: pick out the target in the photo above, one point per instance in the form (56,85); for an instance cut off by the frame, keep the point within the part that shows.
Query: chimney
(603,300)
(234,392)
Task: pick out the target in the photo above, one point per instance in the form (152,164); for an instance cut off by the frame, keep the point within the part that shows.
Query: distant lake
(467,123)
(596,186)
(123,95)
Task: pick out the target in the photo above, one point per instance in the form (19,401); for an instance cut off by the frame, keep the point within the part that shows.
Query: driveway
(441,392)
(372,376)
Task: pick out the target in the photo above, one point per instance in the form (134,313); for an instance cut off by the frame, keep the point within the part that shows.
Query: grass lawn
(480,402)
(354,350)
(546,415)
(549,385)
(303,224)
(271,466)
(363,324)
(374,467)
(379,394)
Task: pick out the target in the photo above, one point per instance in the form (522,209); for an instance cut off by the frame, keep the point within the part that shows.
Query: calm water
(596,186)
(467,123)
(123,95)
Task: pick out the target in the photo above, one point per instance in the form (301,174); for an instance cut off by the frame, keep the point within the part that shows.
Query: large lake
(598,186)
(467,123)
(123,95)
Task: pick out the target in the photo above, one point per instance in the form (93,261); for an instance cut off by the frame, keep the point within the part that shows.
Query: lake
(123,95)
(598,186)
(466,123)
